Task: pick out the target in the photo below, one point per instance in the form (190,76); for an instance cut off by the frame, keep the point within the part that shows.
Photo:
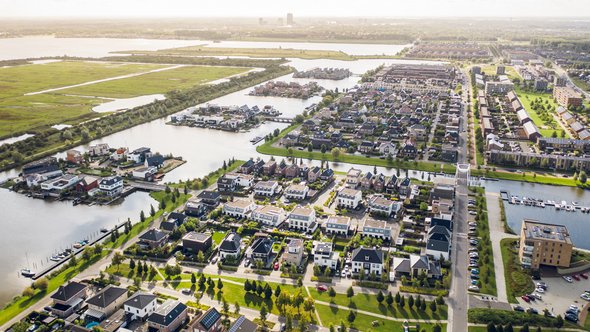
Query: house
(391,185)
(240,208)
(226,184)
(296,192)
(303,219)
(68,298)
(61,183)
(230,246)
(269,215)
(409,150)
(292,171)
(269,168)
(443,208)
(379,182)
(98,150)
(74,157)
(247,167)
(378,205)
(139,156)
(153,238)
(324,255)
(105,302)
(206,200)
(120,154)
(169,316)
(438,243)
(145,173)
(194,242)
(243,324)
(140,306)
(387,148)
(210,321)
(209,197)
(242,180)
(376,229)
(418,132)
(531,131)
(367,260)
(415,265)
(442,191)
(403,187)
(156,161)
(173,221)
(446,223)
(111,186)
(349,198)
(266,188)
(314,174)
(327,174)
(260,250)
(366,147)
(367,181)
(293,254)
(338,225)
(353,177)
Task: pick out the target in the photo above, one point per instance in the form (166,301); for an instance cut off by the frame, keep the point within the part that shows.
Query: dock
(279,119)
(148,186)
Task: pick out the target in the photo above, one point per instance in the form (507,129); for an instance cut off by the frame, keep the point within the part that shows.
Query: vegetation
(498,316)
(487,282)
(518,282)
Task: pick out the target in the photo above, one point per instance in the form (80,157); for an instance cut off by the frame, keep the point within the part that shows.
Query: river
(38,228)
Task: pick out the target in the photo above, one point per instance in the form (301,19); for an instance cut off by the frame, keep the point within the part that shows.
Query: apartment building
(544,244)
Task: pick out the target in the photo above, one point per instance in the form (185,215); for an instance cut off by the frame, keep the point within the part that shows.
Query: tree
(323,148)
(132,264)
(418,301)
(263,313)
(423,306)
(525,328)
(349,292)
(397,297)
(140,269)
(440,300)
(411,302)
(309,147)
(278,291)
(247,286)
(289,322)
(559,321)
(389,299)
(331,292)
(117,260)
(335,153)
(152,210)
(583,177)
(437,328)
(202,281)
(193,278)
(259,289)
(402,301)
(433,306)
(308,304)
(219,284)
(509,328)
(351,316)
(380,297)
(342,327)
(267,292)
(28,292)
(491,327)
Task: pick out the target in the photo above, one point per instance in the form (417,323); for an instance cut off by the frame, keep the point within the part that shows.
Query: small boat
(27,273)
(575,203)
(54,258)
(104,230)
(78,245)
(77,201)
(558,207)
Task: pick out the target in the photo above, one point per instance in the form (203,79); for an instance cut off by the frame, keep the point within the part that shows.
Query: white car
(540,290)
(568,279)
(537,296)
(473,288)
(585,296)
(343,274)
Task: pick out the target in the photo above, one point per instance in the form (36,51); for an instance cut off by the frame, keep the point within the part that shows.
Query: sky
(276,8)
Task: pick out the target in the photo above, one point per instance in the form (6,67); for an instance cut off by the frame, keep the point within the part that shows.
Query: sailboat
(26,272)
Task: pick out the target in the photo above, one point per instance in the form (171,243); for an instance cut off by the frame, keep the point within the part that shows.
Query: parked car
(474,271)
(568,279)
(214,260)
(533,311)
(276,266)
(473,288)
(585,296)
(540,290)
(571,318)
(537,296)
(584,275)
(343,275)
(575,276)
(518,308)
(525,299)
(247,262)
(322,288)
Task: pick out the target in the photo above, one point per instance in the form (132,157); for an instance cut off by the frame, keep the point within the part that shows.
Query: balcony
(528,249)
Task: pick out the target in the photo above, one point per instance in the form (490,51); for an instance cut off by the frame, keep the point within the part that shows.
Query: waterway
(39,228)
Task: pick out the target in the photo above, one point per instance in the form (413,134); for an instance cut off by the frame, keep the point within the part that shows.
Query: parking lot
(559,295)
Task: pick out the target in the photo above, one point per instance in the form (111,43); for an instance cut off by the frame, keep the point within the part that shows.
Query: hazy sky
(255,8)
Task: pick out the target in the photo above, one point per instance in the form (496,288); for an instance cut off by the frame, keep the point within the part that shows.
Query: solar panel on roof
(210,318)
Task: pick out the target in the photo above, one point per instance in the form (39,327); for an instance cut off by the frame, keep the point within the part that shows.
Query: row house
(269,215)
(349,198)
(266,188)
(379,229)
(303,219)
(379,205)
(338,225)
(297,192)
(240,208)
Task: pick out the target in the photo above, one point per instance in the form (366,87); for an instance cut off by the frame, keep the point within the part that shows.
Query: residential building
(376,228)
(269,215)
(172,222)
(240,208)
(349,198)
(379,205)
(293,254)
(140,305)
(303,219)
(169,316)
(61,183)
(120,154)
(226,184)
(296,192)
(531,131)
(260,250)
(139,156)
(567,96)
(105,302)
(145,173)
(367,260)
(242,180)
(194,242)
(338,225)
(68,298)
(111,186)
(230,246)
(324,256)
(544,244)
(416,265)
(153,238)
(74,157)
(266,188)
(353,177)
(438,242)
(210,321)
(243,324)
(98,150)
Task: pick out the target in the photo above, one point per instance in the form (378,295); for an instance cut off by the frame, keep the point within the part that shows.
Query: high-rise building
(544,244)
(567,96)
(289,18)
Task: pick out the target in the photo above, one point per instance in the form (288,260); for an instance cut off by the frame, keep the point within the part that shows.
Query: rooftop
(536,230)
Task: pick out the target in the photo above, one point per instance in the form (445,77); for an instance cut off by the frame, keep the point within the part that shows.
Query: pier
(278,119)
(149,186)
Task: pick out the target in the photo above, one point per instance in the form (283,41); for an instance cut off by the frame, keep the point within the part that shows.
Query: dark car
(518,308)
(571,318)
(532,311)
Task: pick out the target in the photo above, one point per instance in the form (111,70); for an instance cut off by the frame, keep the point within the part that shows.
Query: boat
(104,230)
(256,139)
(55,258)
(77,201)
(27,273)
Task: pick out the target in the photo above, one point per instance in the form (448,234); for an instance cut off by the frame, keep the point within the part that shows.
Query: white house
(100,149)
(382,206)
(296,192)
(144,173)
(324,256)
(376,228)
(303,219)
(111,186)
(349,198)
(269,215)
(242,180)
(61,183)
(140,305)
(353,177)
(338,225)
(266,188)
(368,260)
(239,208)
(230,246)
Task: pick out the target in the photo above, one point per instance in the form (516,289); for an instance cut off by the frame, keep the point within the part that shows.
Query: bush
(497,316)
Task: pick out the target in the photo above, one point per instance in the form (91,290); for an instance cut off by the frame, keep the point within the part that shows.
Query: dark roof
(67,292)
(179,217)
(111,180)
(448,224)
(107,296)
(140,300)
(168,225)
(153,235)
(248,163)
(209,194)
(231,242)
(141,150)
(209,318)
(262,246)
(196,237)
(167,312)
(367,255)
(155,160)
(243,324)
(405,182)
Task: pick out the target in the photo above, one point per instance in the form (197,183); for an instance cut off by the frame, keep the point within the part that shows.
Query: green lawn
(158,82)
(368,302)
(485,329)
(517,282)
(218,237)
(526,97)
(124,270)
(543,178)
(334,316)
(491,70)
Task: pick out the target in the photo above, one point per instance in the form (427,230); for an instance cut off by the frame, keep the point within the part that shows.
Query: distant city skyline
(302,8)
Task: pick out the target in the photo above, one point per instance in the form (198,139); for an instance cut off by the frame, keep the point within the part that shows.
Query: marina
(530,201)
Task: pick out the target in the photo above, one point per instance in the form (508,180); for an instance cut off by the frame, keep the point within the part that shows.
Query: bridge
(278,119)
(149,186)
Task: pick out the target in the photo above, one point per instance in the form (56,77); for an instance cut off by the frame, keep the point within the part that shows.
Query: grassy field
(540,177)
(218,237)
(491,70)
(544,329)
(158,82)
(249,52)
(526,97)
(517,282)
(335,316)
(368,302)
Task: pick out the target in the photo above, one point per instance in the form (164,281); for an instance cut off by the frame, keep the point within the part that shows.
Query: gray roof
(367,255)
(231,242)
(167,312)
(153,235)
(262,246)
(107,296)
(140,300)
(243,324)
(67,292)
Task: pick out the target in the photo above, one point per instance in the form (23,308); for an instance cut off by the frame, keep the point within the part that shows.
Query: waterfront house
(266,188)
(348,198)
(240,208)
(292,171)
(209,321)
(353,177)
(314,174)
(47,166)
(61,183)
(120,154)
(173,221)
(168,317)
(86,184)
(269,215)
(105,302)
(376,228)
(209,197)
(144,173)
(260,250)
(156,161)
(327,174)
(230,246)
(68,298)
(403,187)
(194,242)
(140,306)
(153,238)
(293,254)
(296,192)
(247,167)
(338,225)
(242,180)
(391,185)
(324,255)
(74,157)
(100,149)
(303,219)
(138,156)
(269,168)
(367,260)
(111,186)
(226,184)
(367,181)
